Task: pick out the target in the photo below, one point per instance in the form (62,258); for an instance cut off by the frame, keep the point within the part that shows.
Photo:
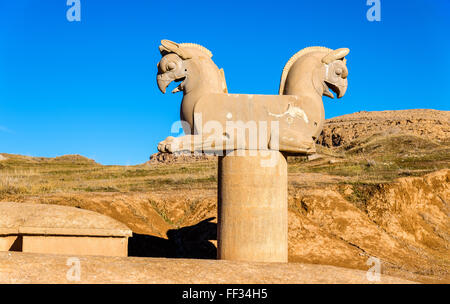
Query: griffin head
(336,73)
(171,66)
(175,63)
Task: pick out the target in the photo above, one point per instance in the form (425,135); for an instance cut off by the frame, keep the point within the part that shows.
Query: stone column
(252,207)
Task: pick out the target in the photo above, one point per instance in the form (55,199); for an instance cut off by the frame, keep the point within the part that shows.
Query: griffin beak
(326,92)
(342,90)
(339,89)
(163,82)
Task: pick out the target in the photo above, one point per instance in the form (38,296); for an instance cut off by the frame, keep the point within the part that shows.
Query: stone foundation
(56,229)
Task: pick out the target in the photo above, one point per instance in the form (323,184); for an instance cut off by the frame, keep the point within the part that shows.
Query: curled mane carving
(198,47)
(294,58)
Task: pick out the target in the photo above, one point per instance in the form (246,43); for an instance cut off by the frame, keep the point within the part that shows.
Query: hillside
(428,124)
(379,186)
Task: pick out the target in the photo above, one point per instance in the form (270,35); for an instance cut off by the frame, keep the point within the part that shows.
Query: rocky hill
(169,158)
(74,159)
(427,124)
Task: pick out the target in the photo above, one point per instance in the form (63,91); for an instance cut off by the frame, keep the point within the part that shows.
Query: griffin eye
(338,71)
(171,65)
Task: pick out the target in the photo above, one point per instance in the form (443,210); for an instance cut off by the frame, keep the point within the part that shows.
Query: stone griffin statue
(297,112)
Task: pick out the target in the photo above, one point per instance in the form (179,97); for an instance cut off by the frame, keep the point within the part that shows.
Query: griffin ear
(335,55)
(168,46)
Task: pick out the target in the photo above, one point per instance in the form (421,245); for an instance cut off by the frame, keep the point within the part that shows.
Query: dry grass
(380,159)
(21,175)
(377,159)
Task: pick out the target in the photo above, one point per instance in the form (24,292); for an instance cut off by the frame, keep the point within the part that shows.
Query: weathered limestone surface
(17,267)
(7,240)
(252,198)
(60,229)
(297,110)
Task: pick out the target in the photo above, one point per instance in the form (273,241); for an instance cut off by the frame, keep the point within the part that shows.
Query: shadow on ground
(188,242)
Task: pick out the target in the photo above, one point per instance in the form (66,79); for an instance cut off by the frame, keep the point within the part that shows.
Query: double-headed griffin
(215,121)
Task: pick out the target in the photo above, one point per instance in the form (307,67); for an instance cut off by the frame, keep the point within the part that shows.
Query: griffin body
(218,121)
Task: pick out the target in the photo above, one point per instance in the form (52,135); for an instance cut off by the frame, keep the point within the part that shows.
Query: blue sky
(89,87)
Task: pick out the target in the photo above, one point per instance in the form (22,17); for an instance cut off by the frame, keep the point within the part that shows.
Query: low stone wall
(55,229)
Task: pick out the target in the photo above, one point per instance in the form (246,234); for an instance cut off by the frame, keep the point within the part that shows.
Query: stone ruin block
(54,229)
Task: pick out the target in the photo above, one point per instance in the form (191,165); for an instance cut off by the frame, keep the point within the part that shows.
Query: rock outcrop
(168,158)
(429,124)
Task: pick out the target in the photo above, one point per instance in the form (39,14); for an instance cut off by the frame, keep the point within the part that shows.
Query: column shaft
(252,207)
